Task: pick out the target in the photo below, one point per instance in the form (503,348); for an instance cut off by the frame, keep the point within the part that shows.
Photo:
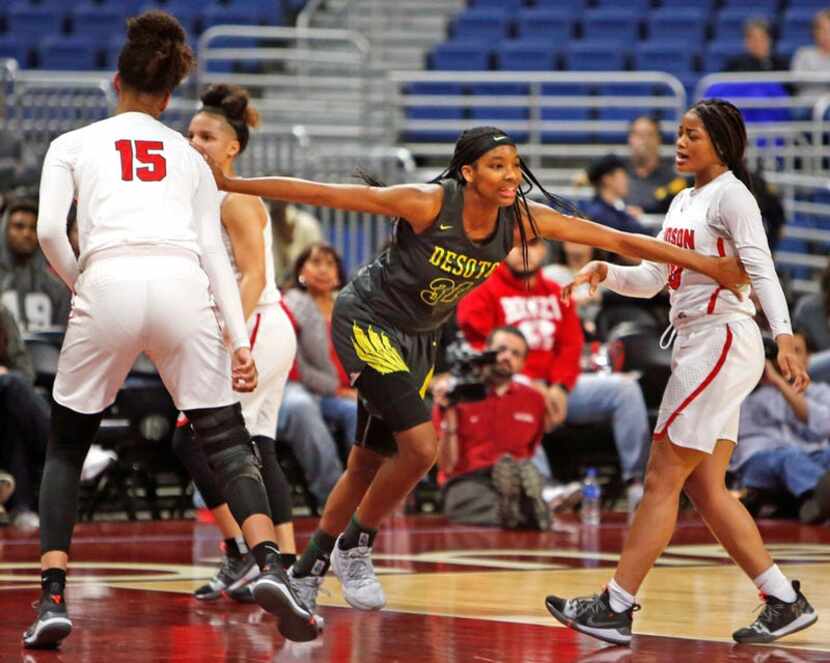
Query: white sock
(240,543)
(620,599)
(774,583)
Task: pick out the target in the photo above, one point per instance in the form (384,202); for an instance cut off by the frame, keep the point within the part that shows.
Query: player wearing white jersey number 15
(151,255)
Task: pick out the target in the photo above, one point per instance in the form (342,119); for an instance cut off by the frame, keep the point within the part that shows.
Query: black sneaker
(537,514)
(233,573)
(274,594)
(778,619)
(244,594)
(52,624)
(593,616)
(508,485)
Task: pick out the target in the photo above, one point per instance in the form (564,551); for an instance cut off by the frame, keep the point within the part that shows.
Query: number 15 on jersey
(148,153)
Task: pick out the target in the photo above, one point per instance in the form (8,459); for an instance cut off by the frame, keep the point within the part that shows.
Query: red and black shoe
(594,616)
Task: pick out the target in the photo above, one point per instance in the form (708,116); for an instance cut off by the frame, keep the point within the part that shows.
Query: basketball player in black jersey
(450,235)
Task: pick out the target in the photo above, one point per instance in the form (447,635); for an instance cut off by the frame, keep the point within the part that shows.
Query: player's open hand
(243,371)
(218,175)
(594,273)
(792,368)
(731,275)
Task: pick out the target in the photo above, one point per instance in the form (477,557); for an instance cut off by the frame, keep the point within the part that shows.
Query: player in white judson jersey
(151,254)
(717,360)
(221,129)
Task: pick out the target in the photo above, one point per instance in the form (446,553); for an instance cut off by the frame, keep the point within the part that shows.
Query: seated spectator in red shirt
(526,299)
(486,447)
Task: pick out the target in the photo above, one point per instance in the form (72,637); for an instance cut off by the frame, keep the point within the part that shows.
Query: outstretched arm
(419,204)
(553,225)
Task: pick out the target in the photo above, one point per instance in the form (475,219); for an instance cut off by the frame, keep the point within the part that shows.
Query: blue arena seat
(592,55)
(188,12)
(559,135)
(555,25)
(672,57)
(575,7)
(236,14)
(687,25)
(615,24)
(620,114)
(67,53)
(17,49)
(484,24)
(787,47)
(31,22)
(526,55)
(97,22)
(703,5)
(718,53)
(641,6)
(729,23)
(509,5)
(754,7)
(460,56)
(798,24)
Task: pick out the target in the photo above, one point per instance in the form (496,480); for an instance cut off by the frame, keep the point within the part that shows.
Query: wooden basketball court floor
(455,594)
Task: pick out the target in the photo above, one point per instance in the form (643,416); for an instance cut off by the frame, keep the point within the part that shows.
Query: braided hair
(469,148)
(727,131)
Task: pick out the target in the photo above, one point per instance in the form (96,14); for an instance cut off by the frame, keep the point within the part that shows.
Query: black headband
(483,144)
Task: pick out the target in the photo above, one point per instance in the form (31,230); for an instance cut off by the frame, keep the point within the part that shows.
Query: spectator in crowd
(486,447)
(815,59)
(609,178)
(24,423)
(812,315)
(36,298)
(294,231)
(6,490)
(529,301)
(318,275)
(575,257)
(784,441)
(652,181)
(758,55)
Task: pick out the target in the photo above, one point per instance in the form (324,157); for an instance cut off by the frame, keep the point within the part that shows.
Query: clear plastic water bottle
(591,498)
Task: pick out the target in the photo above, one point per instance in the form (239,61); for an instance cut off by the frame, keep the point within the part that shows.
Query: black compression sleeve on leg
(193,457)
(70,436)
(221,431)
(276,485)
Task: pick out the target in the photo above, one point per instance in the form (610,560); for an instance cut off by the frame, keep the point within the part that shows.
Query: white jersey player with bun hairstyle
(151,256)
(717,360)
(221,128)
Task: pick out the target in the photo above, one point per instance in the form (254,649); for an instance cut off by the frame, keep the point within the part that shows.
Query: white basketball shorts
(273,346)
(714,368)
(157,304)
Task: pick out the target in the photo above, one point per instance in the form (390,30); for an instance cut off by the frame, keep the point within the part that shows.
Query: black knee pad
(276,484)
(193,457)
(222,434)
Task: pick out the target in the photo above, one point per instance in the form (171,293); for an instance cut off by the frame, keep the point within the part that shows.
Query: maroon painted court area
(134,605)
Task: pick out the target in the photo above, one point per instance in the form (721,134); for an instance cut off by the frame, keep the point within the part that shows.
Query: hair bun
(234,101)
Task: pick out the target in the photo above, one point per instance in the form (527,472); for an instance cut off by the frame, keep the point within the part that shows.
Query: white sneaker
(353,567)
(306,588)
(28,521)
(634,495)
(562,496)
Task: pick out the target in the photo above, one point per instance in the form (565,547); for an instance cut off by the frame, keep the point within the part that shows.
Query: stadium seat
(188,12)
(754,7)
(702,5)
(642,6)
(730,22)
(460,56)
(575,7)
(555,25)
(670,56)
(434,112)
(620,25)
(67,53)
(717,54)
(560,114)
(526,55)
(97,22)
(30,22)
(17,49)
(230,65)
(508,5)
(685,25)
(483,24)
(756,89)
(236,14)
(787,47)
(594,56)
(798,25)
(620,114)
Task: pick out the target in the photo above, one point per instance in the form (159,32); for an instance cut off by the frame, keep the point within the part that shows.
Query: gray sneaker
(233,573)
(353,567)
(306,588)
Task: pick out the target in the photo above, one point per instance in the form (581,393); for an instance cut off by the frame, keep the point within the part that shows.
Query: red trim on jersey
(706,382)
(255,330)
(182,420)
(714,298)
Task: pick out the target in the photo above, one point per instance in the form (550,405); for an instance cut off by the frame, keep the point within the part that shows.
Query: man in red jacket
(529,301)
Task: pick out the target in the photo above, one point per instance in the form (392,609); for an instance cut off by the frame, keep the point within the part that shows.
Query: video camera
(466,382)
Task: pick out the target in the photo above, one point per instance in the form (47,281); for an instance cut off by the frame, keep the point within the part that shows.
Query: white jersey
(270,294)
(719,219)
(113,163)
